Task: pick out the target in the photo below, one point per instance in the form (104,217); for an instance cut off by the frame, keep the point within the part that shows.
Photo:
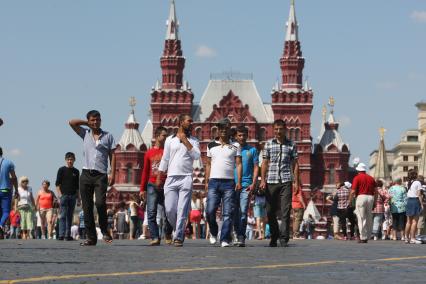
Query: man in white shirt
(223,157)
(180,151)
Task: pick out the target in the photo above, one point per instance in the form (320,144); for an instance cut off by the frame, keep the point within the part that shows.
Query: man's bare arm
(76,125)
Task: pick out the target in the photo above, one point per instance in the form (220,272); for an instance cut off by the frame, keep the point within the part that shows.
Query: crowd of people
(249,194)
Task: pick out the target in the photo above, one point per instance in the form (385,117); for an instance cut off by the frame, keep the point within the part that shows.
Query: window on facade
(198,133)
(416,158)
(405,179)
(129,173)
(292,134)
(405,158)
(416,168)
(412,138)
(262,134)
(331,174)
(405,169)
(214,132)
(297,134)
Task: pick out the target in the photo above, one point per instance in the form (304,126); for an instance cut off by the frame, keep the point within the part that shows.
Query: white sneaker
(225,244)
(375,238)
(142,237)
(212,240)
(402,238)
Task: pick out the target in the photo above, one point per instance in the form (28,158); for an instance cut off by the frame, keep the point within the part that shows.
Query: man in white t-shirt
(223,157)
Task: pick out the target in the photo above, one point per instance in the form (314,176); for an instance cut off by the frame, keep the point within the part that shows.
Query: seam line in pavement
(195,269)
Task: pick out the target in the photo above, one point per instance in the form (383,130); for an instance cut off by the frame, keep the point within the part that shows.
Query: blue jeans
(221,190)
(377,223)
(240,215)
(66,215)
(155,197)
(5,202)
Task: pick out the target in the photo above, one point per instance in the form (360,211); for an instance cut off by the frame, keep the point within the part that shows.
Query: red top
(364,184)
(295,200)
(151,162)
(15,218)
(45,200)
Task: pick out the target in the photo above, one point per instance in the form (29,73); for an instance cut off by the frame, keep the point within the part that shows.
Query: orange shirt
(45,200)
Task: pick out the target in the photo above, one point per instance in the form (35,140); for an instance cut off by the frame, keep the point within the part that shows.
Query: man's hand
(251,187)
(142,195)
(182,137)
(238,186)
(111,180)
(262,185)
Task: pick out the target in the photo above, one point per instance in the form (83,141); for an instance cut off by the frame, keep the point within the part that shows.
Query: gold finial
(132,103)
(382,131)
(324,112)
(331,102)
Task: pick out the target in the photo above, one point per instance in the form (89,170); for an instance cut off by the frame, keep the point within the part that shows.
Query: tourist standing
(382,200)
(152,191)
(121,220)
(250,172)
(67,183)
(180,151)
(195,215)
(299,206)
(343,211)
(98,147)
(134,219)
(259,210)
(364,190)
(398,204)
(8,181)
(44,203)
(414,207)
(279,169)
(223,156)
(15,221)
(26,206)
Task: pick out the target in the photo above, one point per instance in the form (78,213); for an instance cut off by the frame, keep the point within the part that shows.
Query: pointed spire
(172,23)
(381,170)
(292,26)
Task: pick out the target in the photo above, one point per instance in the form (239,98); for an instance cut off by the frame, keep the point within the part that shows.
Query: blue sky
(59,59)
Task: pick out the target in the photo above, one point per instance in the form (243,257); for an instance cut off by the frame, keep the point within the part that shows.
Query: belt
(93,172)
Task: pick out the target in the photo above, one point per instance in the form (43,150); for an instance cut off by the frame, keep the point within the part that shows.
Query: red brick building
(235,96)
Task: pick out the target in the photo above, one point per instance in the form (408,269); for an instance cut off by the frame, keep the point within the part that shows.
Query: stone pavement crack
(195,269)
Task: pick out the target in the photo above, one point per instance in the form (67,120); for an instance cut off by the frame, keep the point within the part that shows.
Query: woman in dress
(26,206)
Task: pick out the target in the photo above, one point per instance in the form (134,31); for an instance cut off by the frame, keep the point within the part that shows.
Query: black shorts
(398,221)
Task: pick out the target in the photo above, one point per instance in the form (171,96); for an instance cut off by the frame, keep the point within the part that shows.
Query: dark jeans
(82,233)
(221,190)
(5,202)
(343,214)
(240,214)
(155,196)
(278,198)
(66,215)
(94,184)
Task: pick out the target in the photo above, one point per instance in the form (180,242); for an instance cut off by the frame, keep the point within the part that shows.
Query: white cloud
(15,152)
(418,16)
(205,51)
(387,85)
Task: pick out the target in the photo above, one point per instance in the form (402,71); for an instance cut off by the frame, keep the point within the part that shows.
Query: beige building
(409,153)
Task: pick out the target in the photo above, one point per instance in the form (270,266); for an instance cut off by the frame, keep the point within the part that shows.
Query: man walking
(152,194)
(7,180)
(98,147)
(364,190)
(279,169)
(250,171)
(223,157)
(180,151)
(67,183)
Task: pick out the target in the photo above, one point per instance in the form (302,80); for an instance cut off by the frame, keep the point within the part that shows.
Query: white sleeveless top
(24,196)
(196,205)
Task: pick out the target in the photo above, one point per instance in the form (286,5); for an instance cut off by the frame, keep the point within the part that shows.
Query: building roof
(246,91)
(147,133)
(331,135)
(131,134)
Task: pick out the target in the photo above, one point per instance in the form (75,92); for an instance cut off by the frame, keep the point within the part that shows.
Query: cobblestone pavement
(305,261)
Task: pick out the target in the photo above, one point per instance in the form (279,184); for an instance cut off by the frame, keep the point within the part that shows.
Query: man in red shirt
(151,193)
(364,190)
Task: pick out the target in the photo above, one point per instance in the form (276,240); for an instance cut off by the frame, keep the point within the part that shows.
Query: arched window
(331,175)
(214,132)
(262,134)
(129,173)
(292,134)
(198,133)
(297,134)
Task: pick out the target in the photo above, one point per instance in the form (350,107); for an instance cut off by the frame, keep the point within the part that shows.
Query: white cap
(361,167)
(348,184)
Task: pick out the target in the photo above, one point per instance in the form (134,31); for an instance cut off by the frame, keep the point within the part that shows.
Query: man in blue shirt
(250,162)
(7,180)
(98,147)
